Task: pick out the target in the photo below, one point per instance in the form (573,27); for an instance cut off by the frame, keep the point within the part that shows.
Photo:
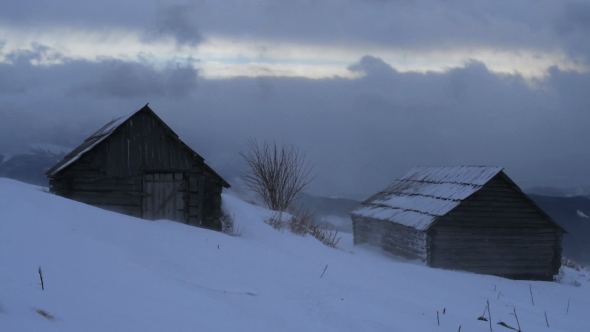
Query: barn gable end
(471,218)
(138,166)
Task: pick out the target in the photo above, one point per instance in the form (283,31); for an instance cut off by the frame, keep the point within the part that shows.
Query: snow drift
(109,272)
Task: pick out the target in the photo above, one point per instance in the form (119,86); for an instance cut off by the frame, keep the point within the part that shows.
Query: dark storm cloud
(175,21)
(364,133)
(373,67)
(576,16)
(361,133)
(62,103)
(128,79)
(8,82)
(75,14)
(12,78)
(416,25)
(573,27)
(38,52)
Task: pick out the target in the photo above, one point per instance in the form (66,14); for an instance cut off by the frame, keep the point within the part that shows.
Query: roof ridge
(439,182)
(482,166)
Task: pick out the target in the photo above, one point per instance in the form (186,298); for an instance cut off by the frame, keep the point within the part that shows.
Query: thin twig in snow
(324,270)
(490,315)
(546,320)
(517,322)
(41,277)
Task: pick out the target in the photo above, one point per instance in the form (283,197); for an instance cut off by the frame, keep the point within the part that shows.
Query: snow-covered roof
(425,193)
(90,143)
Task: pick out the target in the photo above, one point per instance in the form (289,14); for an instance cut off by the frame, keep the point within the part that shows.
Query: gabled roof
(425,193)
(88,144)
(106,131)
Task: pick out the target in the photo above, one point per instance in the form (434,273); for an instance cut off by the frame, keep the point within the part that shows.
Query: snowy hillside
(108,272)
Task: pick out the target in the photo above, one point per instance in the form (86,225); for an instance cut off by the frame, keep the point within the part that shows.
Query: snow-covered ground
(108,272)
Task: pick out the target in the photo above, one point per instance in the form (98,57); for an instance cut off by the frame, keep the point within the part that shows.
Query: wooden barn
(138,166)
(471,218)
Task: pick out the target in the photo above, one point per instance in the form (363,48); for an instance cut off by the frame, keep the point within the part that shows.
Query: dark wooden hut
(471,218)
(138,166)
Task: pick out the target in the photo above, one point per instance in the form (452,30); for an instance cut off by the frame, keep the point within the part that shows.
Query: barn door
(165,196)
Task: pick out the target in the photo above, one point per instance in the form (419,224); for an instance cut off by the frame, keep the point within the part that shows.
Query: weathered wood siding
(204,201)
(497,231)
(165,196)
(142,144)
(393,238)
(114,175)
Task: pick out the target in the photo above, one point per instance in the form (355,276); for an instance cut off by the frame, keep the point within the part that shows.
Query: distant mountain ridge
(560,192)
(326,206)
(30,167)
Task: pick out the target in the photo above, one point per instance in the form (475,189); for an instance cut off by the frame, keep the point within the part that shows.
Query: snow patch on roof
(472,175)
(425,193)
(111,126)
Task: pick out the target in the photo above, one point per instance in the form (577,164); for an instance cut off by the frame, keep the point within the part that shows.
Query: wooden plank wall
(497,231)
(204,201)
(211,198)
(141,144)
(110,176)
(82,182)
(393,238)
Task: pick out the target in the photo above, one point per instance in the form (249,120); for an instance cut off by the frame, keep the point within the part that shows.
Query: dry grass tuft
(277,221)
(303,222)
(571,264)
(326,236)
(238,231)
(228,225)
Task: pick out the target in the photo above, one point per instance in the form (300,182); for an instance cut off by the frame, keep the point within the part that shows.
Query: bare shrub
(238,231)
(304,222)
(278,173)
(277,221)
(301,220)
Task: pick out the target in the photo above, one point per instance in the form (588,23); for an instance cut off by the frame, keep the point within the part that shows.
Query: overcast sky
(369,88)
